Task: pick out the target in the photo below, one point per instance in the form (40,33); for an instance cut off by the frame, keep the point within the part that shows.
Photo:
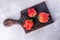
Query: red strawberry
(43,17)
(32,12)
(28,24)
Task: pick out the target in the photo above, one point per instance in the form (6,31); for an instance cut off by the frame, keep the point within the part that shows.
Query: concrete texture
(11,9)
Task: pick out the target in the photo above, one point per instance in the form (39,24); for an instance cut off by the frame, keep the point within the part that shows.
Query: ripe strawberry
(43,17)
(28,24)
(32,12)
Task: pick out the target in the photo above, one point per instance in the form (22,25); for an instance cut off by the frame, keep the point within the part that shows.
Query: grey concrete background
(11,9)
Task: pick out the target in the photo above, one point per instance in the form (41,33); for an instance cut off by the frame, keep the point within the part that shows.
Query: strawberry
(43,17)
(32,12)
(28,24)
